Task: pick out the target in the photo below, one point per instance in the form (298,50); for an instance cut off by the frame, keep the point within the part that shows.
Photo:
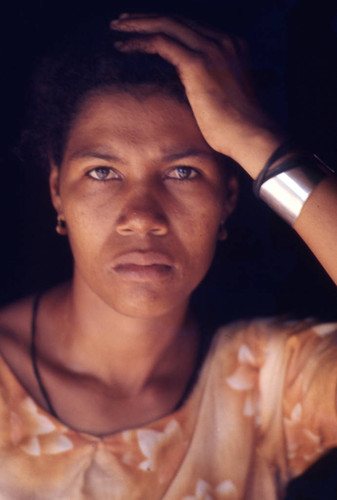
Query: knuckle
(166,20)
(225,38)
(235,45)
(213,48)
(201,62)
(160,38)
(197,58)
(194,61)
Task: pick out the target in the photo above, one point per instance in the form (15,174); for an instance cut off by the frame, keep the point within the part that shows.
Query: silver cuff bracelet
(287,191)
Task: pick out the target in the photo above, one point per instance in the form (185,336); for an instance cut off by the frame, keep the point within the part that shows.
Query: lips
(143,265)
(143,258)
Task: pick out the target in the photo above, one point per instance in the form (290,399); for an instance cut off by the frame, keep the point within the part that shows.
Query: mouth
(143,265)
(143,273)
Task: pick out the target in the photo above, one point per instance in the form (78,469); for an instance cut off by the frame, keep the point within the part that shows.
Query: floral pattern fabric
(261,412)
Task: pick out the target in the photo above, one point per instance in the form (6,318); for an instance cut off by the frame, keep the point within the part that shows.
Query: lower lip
(143,273)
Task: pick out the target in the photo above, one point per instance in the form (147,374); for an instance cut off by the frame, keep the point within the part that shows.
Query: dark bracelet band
(284,149)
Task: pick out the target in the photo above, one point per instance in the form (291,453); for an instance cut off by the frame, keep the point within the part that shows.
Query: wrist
(255,149)
(288,179)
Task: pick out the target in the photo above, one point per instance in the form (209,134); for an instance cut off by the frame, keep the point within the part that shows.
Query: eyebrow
(86,153)
(199,153)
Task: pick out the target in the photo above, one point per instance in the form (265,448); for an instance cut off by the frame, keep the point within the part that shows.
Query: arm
(317,224)
(211,68)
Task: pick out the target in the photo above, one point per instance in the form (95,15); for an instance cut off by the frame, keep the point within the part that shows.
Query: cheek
(204,209)
(201,229)
(89,222)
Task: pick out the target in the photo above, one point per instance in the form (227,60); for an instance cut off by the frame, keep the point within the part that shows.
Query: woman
(108,386)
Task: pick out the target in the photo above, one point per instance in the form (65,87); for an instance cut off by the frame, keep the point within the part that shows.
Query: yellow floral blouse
(262,410)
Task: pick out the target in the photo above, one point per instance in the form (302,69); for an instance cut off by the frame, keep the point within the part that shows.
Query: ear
(223,233)
(54,186)
(231,195)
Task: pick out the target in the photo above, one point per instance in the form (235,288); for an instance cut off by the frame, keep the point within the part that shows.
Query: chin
(148,305)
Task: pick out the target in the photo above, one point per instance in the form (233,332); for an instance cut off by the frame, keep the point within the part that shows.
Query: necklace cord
(204,345)
(33,356)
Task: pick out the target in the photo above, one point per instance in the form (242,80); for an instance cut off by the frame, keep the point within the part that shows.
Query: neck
(117,349)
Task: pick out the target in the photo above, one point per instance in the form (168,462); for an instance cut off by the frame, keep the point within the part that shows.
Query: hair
(78,67)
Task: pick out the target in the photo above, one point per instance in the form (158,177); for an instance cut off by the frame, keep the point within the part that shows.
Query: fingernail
(124,15)
(118,44)
(114,22)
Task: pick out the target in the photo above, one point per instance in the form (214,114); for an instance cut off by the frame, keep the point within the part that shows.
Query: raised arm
(211,67)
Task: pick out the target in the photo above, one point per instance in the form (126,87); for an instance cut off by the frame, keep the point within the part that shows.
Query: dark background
(263,268)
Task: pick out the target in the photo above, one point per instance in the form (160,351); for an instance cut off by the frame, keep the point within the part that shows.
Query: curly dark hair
(84,64)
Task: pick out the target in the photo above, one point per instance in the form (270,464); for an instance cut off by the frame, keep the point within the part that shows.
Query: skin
(146,325)
(146,203)
(137,177)
(217,85)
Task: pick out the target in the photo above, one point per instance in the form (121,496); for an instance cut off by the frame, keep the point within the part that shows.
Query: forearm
(317,224)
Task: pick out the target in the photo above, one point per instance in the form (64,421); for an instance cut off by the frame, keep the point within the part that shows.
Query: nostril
(142,222)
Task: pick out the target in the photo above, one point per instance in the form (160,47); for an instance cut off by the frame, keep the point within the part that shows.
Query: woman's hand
(211,67)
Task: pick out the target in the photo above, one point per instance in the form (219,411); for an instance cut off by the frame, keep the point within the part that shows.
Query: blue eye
(103,174)
(182,173)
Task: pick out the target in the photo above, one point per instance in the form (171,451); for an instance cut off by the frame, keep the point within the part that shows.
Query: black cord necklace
(205,342)
(34,357)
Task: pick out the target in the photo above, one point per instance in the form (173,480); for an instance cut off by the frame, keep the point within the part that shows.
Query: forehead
(135,122)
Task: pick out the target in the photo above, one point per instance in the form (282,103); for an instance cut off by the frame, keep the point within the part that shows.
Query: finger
(181,44)
(197,36)
(134,15)
(212,33)
(170,49)
(202,29)
(186,34)
(237,46)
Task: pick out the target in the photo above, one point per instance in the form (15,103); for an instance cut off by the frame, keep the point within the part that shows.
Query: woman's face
(143,196)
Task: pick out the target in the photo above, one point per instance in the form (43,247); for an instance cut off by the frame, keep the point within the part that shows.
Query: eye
(182,173)
(103,174)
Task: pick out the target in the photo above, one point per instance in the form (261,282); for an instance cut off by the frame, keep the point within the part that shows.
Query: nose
(142,215)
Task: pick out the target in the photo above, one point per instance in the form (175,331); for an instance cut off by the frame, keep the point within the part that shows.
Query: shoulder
(15,338)
(287,364)
(280,353)
(16,318)
(275,331)
(16,328)
(276,346)
(15,324)
(15,333)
